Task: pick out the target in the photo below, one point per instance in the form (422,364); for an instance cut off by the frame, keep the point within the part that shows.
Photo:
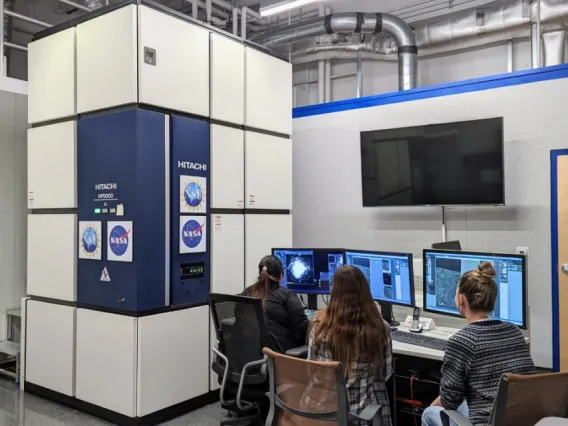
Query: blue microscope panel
(190,210)
(123,198)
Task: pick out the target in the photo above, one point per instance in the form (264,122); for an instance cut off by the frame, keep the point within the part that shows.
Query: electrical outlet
(523,250)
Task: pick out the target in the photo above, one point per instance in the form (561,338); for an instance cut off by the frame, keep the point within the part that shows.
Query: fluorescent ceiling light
(273,7)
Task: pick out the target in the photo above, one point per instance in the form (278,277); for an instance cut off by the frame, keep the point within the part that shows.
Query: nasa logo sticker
(90,234)
(119,241)
(193,234)
(193,194)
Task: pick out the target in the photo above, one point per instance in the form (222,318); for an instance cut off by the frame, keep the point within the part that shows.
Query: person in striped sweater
(477,356)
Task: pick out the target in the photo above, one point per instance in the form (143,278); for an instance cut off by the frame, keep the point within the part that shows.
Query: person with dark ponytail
(286,319)
(479,354)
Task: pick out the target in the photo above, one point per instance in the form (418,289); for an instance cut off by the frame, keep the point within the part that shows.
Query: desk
(416,376)
(407,349)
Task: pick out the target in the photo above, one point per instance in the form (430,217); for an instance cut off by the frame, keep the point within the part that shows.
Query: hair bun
(487,270)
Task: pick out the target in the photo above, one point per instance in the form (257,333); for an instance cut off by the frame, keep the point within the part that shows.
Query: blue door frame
(555,261)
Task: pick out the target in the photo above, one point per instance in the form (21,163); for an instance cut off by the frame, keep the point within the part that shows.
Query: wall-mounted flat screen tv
(435,165)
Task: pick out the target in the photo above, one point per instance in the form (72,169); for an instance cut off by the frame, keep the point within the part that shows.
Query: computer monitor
(443,269)
(390,275)
(447,245)
(309,271)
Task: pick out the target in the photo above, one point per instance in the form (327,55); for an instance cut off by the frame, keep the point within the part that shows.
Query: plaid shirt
(363,388)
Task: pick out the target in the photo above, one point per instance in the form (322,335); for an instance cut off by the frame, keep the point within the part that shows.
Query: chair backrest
(524,400)
(240,327)
(305,393)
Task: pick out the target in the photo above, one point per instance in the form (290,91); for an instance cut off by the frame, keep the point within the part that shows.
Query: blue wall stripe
(447,89)
(555,261)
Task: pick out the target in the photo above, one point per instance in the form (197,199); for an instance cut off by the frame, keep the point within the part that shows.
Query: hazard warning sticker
(105,276)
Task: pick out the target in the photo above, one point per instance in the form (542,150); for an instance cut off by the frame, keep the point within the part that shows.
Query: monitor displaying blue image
(309,270)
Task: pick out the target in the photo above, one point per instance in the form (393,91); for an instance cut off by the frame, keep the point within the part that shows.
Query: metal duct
(552,11)
(365,23)
(554,44)
(500,21)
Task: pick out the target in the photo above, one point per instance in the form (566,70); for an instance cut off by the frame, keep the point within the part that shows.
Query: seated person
(477,356)
(352,331)
(285,316)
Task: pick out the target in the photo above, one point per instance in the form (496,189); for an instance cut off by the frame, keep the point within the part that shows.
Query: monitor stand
(313,302)
(387,313)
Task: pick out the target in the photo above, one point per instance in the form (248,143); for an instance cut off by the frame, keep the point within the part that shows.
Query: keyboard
(419,340)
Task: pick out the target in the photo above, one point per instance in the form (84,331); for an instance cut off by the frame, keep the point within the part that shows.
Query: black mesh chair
(240,326)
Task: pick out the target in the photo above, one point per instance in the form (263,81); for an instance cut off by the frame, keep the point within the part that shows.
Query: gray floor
(22,409)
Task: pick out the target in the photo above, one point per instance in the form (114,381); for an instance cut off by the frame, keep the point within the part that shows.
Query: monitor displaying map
(443,269)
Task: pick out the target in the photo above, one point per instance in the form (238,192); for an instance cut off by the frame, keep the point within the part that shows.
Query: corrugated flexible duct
(364,23)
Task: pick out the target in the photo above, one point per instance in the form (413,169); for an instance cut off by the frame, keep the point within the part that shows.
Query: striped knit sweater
(474,360)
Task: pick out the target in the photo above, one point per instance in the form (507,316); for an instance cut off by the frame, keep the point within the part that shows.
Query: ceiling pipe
(16,47)
(3,26)
(75,5)
(364,23)
(27,19)
(244,12)
(339,51)
(208,10)
(196,4)
(321,67)
(93,4)
(6,6)
(501,21)
(327,70)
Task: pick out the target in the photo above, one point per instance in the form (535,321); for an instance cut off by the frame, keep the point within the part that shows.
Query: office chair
(309,393)
(523,401)
(241,331)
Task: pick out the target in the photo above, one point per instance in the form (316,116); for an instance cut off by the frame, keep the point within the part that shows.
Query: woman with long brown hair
(352,331)
(285,316)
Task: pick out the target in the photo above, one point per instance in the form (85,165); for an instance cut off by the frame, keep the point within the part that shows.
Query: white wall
(328,208)
(13,202)
(382,76)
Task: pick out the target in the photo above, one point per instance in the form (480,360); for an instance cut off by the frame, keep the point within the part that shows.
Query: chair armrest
(247,366)
(367,415)
(299,352)
(455,416)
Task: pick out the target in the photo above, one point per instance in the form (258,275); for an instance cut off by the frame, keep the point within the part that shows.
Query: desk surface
(420,351)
